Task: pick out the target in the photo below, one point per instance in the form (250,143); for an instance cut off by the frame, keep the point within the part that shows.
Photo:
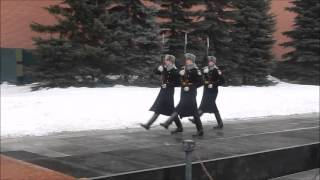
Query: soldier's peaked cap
(212,58)
(190,56)
(170,57)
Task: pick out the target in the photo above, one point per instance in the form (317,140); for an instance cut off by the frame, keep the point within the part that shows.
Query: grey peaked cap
(170,57)
(212,58)
(190,56)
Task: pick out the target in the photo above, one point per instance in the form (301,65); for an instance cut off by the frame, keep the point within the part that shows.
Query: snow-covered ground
(24,112)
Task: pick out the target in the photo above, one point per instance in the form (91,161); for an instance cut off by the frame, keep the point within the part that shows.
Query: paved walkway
(101,153)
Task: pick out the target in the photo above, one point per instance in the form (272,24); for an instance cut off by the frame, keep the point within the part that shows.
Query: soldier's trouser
(216,114)
(172,118)
(200,113)
(178,123)
(198,122)
(219,120)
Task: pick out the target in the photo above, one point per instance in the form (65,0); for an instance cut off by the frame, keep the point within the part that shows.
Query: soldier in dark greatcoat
(212,79)
(164,103)
(191,79)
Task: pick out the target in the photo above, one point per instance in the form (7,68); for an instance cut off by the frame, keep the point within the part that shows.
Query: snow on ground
(25,112)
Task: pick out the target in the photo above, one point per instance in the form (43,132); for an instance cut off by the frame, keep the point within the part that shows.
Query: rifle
(185,42)
(208,45)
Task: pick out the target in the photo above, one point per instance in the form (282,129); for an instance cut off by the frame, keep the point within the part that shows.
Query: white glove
(186,88)
(206,70)
(219,72)
(160,68)
(182,72)
(210,86)
(164,85)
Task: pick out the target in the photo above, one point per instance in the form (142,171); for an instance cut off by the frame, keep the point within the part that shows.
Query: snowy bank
(24,112)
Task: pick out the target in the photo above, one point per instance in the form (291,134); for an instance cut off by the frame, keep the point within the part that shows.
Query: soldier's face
(189,61)
(167,62)
(210,63)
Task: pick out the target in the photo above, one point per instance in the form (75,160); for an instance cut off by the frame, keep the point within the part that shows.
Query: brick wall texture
(16,16)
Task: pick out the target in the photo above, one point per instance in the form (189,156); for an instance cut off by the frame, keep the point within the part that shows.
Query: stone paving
(108,152)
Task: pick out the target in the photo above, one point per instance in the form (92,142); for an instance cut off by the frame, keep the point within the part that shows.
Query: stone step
(255,166)
(305,175)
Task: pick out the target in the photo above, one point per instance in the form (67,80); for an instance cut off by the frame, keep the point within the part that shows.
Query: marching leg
(198,126)
(219,121)
(170,120)
(150,122)
(179,126)
(200,112)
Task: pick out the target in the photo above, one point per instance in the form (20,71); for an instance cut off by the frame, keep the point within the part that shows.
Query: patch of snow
(113,77)
(274,79)
(26,112)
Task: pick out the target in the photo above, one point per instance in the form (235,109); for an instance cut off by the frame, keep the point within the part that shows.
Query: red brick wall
(285,20)
(16,16)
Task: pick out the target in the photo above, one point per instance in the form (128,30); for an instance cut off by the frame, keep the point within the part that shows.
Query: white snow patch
(113,77)
(26,112)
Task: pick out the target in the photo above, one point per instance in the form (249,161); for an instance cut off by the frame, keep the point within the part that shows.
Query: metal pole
(162,48)
(188,146)
(163,39)
(185,42)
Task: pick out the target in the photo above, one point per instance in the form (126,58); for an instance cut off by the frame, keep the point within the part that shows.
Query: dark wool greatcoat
(208,102)
(164,103)
(190,81)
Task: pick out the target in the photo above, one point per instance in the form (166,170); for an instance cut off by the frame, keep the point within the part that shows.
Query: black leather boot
(150,122)
(219,121)
(200,114)
(179,126)
(199,127)
(169,120)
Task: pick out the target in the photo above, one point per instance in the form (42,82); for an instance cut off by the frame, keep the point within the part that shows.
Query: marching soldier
(190,81)
(212,79)
(164,103)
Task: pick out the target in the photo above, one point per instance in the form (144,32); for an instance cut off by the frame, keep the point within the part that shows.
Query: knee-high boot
(179,126)
(199,127)
(200,112)
(169,120)
(150,122)
(219,121)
